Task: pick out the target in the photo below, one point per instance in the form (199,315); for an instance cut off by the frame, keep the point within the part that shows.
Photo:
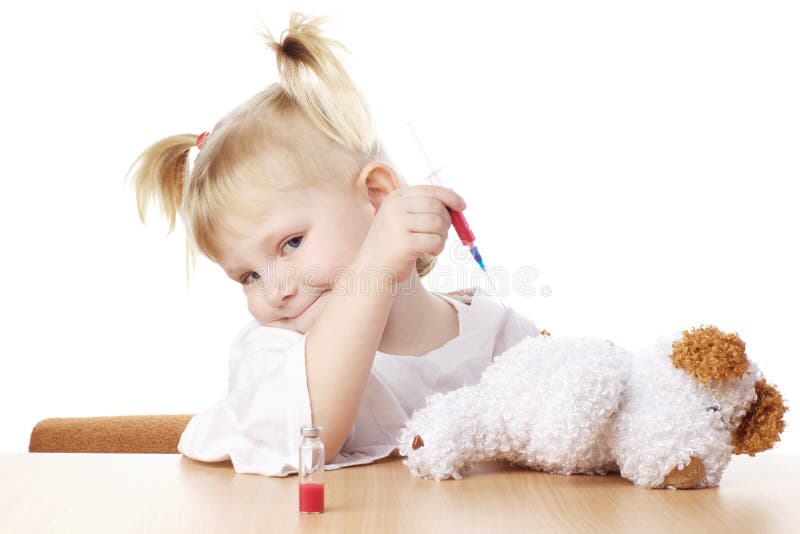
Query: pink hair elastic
(201,139)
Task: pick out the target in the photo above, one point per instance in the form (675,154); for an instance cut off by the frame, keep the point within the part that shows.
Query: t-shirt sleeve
(515,328)
(257,424)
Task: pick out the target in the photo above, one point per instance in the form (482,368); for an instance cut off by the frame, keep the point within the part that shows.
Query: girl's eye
(293,242)
(246,280)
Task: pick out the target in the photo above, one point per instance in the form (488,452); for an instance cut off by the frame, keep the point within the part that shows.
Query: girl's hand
(410,222)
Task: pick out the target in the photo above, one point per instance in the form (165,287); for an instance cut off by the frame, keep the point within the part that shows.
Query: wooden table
(140,493)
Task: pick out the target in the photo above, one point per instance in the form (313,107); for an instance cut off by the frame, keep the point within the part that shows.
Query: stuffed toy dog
(668,416)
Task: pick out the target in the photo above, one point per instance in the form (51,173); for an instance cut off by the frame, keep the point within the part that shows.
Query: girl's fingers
(423,204)
(430,223)
(445,195)
(428,243)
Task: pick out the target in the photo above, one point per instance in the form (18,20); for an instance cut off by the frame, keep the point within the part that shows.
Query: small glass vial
(311,470)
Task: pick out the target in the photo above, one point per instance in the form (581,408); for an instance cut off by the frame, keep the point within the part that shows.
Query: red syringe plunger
(465,234)
(462,228)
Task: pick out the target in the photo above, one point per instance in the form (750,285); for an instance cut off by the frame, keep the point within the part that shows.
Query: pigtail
(161,172)
(318,83)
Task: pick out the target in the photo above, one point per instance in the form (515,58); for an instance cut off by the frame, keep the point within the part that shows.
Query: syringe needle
(432,176)
(459,222)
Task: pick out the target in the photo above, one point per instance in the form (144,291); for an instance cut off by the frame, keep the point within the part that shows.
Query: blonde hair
(313,126)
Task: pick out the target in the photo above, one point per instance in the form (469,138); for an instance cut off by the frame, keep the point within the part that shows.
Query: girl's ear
(378,180)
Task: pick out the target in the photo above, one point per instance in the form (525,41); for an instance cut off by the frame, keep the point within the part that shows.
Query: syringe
(457,217)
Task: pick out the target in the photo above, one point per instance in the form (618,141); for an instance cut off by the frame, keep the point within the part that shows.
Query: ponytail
(318,83)
(162,174)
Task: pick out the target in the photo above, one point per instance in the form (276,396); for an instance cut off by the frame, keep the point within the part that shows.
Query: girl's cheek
(257,308)
(251,307)
(342,256)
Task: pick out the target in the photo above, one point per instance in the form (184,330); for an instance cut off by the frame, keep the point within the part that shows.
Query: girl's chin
(303,322)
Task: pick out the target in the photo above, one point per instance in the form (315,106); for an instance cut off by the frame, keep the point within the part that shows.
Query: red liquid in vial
(312,497)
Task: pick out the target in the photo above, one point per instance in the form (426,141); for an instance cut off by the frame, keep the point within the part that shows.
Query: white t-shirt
(257,425)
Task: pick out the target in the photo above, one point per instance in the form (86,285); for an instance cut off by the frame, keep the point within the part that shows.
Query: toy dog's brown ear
(417,443)
(763,422)
(707,354)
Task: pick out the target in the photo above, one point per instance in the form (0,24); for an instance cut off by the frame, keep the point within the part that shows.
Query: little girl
(293,196)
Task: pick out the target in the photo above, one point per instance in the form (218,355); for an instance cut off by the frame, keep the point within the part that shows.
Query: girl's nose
(283,289)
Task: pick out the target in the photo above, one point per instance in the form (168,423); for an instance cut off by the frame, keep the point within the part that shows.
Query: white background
(641,158)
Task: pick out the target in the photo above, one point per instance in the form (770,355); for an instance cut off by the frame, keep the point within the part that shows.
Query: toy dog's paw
(429,439)
(688,477)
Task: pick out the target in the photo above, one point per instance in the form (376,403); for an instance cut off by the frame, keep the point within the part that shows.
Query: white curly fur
(581,405)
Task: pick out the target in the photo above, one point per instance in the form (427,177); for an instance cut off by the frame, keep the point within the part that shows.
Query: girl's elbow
(332,448)
(330,455)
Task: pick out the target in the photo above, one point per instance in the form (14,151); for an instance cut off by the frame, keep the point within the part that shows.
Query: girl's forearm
(340,349)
